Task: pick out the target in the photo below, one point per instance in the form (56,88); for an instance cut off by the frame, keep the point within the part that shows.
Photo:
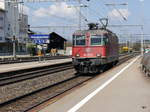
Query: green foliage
(31,49)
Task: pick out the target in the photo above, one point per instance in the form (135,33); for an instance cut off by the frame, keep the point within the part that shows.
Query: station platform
(122,89)
(27,65)
(11,56)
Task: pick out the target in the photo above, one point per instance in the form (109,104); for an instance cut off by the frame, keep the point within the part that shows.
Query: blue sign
(40,38)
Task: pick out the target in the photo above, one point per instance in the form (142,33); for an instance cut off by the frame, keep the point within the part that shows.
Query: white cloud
(141,0)
(2,6)
(58,10)
(41,12)
(115,14)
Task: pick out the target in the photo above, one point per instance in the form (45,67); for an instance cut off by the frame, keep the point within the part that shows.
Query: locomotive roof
(98,31)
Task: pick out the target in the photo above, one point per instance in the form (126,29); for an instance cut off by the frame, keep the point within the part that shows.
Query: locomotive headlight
(98,55)
(77,55)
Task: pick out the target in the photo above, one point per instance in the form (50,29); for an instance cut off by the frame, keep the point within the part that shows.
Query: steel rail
(122,60)
(33,74)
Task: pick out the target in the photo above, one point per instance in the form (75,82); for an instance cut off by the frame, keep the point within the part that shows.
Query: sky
(59,14)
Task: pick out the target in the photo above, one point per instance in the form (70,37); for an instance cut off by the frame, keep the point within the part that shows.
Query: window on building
(1,38)
(1,18)
(1,49)
(9,27)
(1,28)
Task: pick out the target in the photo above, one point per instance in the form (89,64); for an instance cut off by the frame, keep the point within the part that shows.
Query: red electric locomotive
(94,49)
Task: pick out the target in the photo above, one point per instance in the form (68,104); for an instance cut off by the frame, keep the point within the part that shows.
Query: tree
(31,49)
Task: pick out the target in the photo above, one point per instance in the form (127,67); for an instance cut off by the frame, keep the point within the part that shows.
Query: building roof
(2,10)
(56,35)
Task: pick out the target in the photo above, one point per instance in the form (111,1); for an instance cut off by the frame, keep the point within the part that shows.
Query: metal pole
(131,42)
(14,25)
(142,27)
(14,29)
(14,47)
(142,41)
(79,15)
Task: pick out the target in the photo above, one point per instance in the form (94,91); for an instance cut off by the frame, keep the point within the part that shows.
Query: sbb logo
(88,50)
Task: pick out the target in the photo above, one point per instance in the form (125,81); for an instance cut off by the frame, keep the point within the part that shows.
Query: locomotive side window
(98,40)
(79,40)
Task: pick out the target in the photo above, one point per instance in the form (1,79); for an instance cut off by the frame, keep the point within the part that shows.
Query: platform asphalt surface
(127,91)
(26,65)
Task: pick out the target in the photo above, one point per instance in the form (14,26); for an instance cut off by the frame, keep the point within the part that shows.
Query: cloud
(115,14)
(25,9)
(58,10)
(41,12)
(2,6)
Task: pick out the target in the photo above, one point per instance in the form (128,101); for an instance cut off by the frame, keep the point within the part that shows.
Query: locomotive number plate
(87,50)
(88,54)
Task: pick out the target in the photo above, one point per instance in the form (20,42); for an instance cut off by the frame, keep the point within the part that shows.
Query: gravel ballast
(22,88)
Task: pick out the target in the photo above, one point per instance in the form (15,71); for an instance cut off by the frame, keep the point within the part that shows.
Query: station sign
(40,38)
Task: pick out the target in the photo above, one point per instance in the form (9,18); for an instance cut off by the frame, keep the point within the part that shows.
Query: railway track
(28,102)
(31,99)
(13,77)
(33,59)
(21,75)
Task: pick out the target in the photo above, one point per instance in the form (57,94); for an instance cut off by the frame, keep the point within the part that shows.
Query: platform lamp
(142,28)
(14,47)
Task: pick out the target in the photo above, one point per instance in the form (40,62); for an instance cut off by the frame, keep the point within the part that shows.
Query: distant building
(2,24)
(5,46)
(12,23)
(23,37)
(69,51)
(53,40)
(23,28)
(56,41)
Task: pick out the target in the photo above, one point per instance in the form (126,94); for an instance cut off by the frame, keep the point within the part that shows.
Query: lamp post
(142,28)
(14,23)
(142,40)
(14,47)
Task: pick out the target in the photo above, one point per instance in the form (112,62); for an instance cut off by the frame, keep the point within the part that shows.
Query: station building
(52,41)
(12,23)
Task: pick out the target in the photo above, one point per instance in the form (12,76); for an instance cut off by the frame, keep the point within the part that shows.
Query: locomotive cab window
(79,40)
(99,40)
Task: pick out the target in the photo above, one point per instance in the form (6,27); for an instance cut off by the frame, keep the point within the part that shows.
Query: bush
(31,49)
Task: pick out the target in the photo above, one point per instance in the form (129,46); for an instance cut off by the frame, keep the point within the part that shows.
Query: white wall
(68,50)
